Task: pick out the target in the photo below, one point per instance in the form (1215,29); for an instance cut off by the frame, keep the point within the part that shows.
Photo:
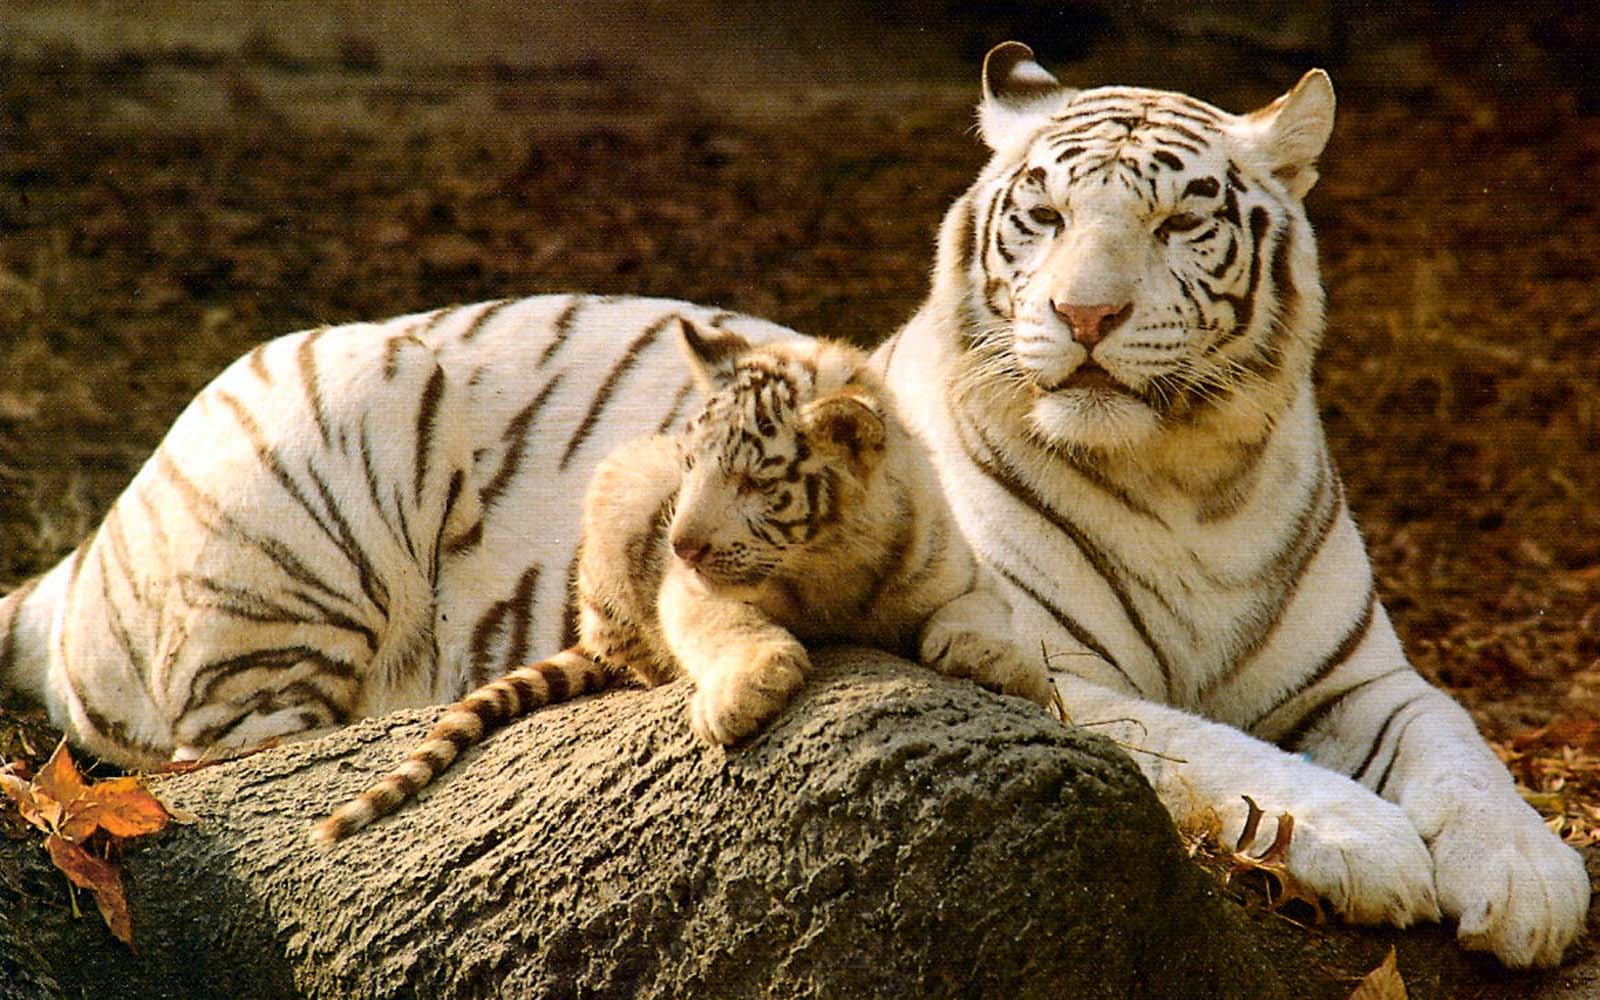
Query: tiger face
(1138,258)
(783,448)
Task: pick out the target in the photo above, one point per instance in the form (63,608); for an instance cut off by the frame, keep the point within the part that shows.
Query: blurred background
(180,180)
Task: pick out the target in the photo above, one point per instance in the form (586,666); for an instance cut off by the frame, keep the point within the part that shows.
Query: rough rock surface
(895,834)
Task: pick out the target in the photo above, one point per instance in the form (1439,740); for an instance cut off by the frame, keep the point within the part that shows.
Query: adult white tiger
(1112,369)
(1122,324)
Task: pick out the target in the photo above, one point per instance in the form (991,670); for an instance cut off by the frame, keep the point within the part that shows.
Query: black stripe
(1383,731)
(248,605)
(1317,712)
(515,437)
(1394,757)
(602,396)
(482,319)
(216,672)
(209,514)
(521,616)
(569,610)
(307,358)
(258,363)
(1012,482)
(427,410)
(372,584)
(563,327)
(556,678)
(681,397)
(1069,624)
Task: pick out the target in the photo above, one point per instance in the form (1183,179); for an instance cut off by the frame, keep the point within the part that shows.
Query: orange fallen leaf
(80,818)
(1382,983)
(99,877)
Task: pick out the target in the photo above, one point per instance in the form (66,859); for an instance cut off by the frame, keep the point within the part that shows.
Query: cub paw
(737,702)
(991,661)
(1512,886)
(1353,849)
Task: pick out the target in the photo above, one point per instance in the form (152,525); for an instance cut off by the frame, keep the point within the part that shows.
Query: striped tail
(564,676)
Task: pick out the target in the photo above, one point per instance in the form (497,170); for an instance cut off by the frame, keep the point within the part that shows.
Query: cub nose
(1092,324)
(690,550)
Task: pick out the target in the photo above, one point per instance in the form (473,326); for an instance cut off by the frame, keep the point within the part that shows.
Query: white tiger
(1113,373)
(1121,329)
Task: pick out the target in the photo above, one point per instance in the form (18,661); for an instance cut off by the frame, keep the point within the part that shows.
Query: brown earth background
(180,184)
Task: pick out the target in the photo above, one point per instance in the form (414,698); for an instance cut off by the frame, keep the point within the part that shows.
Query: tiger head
(1135,260)
(779,457)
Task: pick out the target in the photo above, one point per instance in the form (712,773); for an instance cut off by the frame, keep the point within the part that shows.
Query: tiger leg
(745,668)
(566,675)
(1510,884)
(971,637)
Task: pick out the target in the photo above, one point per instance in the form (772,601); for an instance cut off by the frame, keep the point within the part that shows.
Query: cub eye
(1183,222)
(1045,216)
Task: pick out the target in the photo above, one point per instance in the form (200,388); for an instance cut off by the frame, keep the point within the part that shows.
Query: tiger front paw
(1514,889)
(1350,847)
(735,703)
(991,661)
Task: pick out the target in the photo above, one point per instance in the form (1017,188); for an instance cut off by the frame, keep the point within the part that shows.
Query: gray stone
(894,834)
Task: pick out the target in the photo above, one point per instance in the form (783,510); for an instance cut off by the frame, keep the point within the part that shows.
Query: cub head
(1132,260)
(784,449)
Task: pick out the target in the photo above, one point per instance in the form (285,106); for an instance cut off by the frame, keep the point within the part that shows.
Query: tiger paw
(1349,847)
(989,660)
(1513,888)
(734,703)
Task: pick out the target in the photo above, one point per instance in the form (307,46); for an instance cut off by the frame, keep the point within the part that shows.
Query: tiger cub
(795,507)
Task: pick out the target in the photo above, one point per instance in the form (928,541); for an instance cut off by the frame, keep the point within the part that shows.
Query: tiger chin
(796,507)
(1113,372)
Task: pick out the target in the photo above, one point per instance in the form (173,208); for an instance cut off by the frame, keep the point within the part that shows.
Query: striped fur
(793,506)
(568,674)
(337,526)
(1125,311)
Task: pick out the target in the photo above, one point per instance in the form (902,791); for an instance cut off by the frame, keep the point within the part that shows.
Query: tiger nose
(1092,324)
(690,550)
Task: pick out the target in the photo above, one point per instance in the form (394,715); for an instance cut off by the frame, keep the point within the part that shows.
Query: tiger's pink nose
(690,550)
(1092,324)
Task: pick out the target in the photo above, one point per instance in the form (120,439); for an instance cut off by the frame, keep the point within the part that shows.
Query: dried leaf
(99,877)
(124,809)
(59,778)
(1382,983)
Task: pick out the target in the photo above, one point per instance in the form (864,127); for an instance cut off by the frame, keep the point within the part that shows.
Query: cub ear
(1018,96)
(844,422)
(1292,131)
(712,353)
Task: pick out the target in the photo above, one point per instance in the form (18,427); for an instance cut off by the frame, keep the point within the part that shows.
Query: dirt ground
(163,209)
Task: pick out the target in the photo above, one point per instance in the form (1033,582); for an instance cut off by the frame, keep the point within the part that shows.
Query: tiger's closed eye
(1182,222)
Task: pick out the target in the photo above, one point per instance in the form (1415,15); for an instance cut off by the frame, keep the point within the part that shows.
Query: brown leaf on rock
(124,809)
(79,819)
(1382,983)
(101,878)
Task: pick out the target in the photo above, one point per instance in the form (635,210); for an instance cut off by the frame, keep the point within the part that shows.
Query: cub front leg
(1359,852)
(745,668)
(971,637)
(1511,885)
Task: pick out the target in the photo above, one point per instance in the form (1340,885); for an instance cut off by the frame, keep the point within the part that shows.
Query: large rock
(895,834)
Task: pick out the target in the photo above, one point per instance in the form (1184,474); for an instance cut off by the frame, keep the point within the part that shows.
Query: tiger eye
(1045,216)
(1182,222)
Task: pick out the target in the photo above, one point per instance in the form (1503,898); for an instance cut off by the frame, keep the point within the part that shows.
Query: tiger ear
(846,423)
(712,353)
(1018,95)
(1292,131)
